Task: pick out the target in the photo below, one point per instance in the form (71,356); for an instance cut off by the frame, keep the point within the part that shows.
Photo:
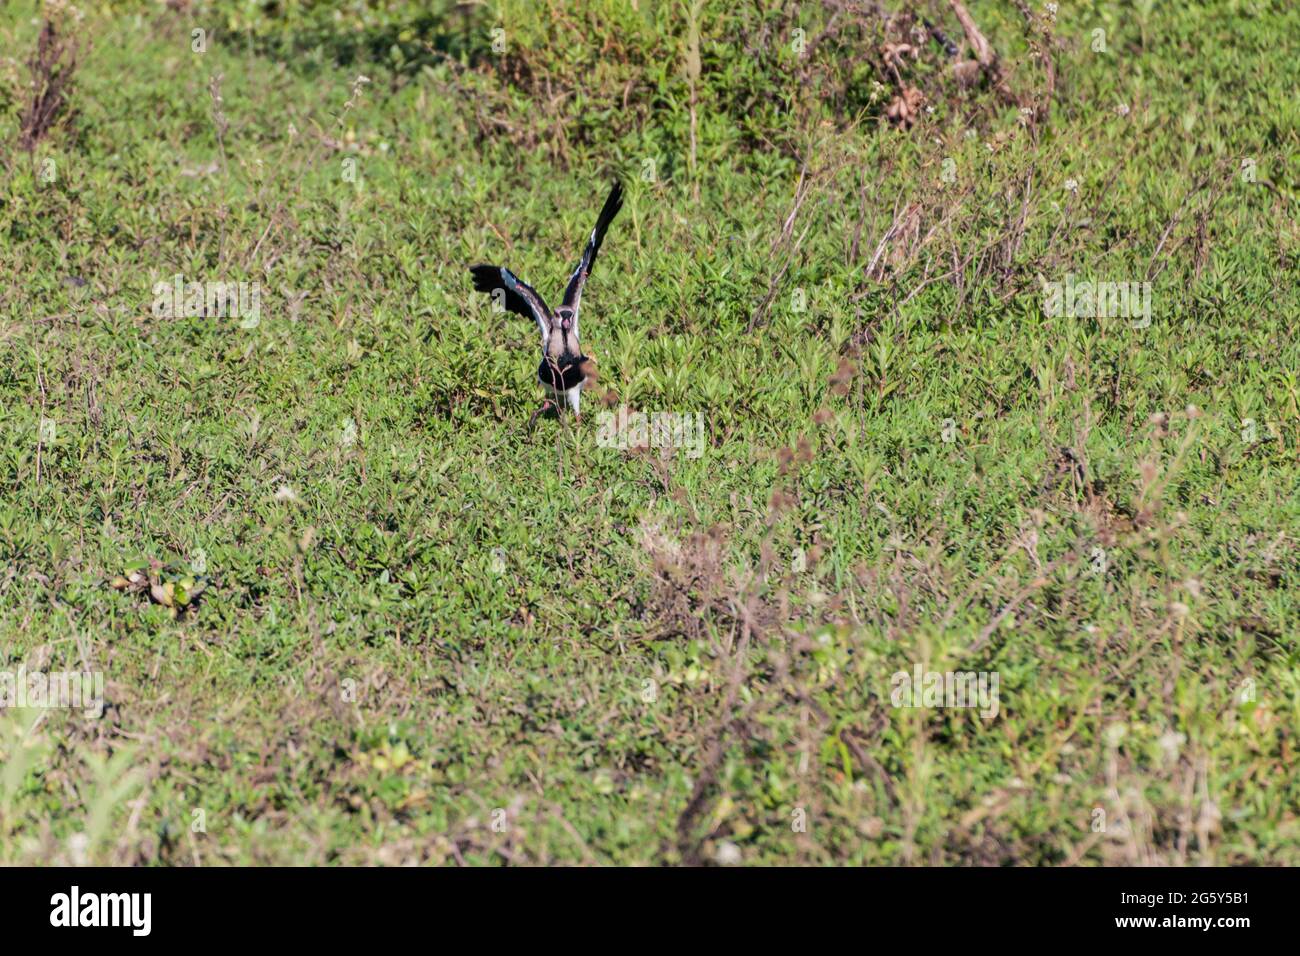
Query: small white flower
(1170,744)
(285,493)
(727,854)
(1122,109)
(1072,186)
(1051,9)
(78,847)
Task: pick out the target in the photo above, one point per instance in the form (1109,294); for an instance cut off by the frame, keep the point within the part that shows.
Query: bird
(564,369)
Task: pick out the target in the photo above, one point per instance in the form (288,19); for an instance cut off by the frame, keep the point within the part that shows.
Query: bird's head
(564,333)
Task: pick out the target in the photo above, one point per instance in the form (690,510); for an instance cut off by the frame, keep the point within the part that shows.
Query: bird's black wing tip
(614,202)
(486,277)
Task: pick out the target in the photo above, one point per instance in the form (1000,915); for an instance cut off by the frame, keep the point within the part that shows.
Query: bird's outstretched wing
(517,296)
(573,291)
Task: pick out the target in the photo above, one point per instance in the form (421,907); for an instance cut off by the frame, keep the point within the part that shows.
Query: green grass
(431,635)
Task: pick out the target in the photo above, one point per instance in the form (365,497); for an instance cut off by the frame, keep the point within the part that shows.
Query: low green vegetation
(349,609)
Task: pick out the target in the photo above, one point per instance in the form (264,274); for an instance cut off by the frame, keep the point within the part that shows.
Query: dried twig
(801,191)
(985,55)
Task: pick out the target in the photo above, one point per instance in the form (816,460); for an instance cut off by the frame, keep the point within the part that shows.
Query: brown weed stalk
(52,66)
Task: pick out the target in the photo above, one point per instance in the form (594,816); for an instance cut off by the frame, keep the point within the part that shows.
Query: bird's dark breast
(562,374)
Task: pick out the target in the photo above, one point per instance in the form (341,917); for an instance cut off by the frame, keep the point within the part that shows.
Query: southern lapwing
(564,370)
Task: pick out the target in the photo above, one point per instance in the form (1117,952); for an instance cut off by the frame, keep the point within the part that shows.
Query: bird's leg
(546,406)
